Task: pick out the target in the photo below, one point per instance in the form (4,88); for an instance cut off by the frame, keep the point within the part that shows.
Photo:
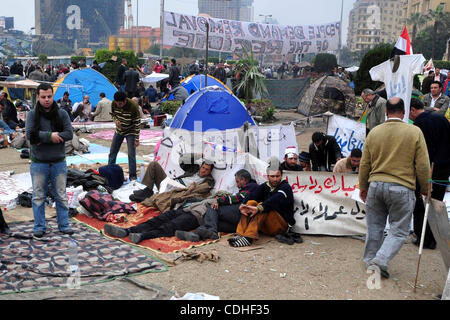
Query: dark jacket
(9,112)
(151,93)
(436,130)
(297,167)
(220,74)
(174,76)
(120,75)
(326,154)
(131,78)
(240,196)
(279,199)
(47,151)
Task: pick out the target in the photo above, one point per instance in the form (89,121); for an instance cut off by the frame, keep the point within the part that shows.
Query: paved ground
(321,268)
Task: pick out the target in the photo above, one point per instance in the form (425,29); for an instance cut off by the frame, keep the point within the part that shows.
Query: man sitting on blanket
(269,209)
(223,215)
(192,173)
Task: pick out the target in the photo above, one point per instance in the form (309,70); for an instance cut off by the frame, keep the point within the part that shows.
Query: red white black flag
(403,45)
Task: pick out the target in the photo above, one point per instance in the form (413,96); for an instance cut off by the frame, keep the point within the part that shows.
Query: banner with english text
(189,31)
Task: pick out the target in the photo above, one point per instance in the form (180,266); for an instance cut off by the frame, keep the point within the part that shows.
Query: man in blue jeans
(125,113)
(395,153)
(48,128)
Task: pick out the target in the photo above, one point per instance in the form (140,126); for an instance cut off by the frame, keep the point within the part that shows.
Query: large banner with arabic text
(324,203)
(189,31)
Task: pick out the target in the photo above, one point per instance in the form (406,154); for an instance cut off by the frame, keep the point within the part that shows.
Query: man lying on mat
(223,215)
(192,173)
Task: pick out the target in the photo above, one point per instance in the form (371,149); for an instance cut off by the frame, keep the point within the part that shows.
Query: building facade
(241,10)
(70,20)
(372,22)
(422,7)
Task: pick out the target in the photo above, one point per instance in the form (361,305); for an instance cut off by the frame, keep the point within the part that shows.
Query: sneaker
(135,237)
(375,267)
(115,231)
(206,234)
(38,234)
(187,236)
(68,232)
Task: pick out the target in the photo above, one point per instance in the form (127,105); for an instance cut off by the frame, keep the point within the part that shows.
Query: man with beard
(48,128)
(291,160)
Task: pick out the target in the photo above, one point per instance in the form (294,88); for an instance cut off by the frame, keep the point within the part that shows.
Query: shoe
(375,267)
(115,231)
(206,234)
(141,195)
(135,237)
(187,236)
(68,232)
(284,238)
(241,242)
(295,236)
(38,234)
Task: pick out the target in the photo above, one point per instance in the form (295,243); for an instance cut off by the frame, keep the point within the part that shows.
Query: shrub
(170,107)
(110,68)
(372,58)
(268,114)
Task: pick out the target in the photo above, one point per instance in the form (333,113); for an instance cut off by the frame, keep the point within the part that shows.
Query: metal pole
(340,32)
(206,55)
(161,27)
(137,27)
(424,225)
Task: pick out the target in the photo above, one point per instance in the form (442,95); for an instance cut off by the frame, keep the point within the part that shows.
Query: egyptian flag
(403,45)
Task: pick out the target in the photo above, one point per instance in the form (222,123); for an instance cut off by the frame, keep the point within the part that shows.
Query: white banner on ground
(324,204)
(189,31)
(349,134)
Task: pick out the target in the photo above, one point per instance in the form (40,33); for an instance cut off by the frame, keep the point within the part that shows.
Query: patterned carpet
(39,264)
(160,245)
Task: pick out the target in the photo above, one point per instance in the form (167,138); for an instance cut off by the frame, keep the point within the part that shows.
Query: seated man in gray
(223,215)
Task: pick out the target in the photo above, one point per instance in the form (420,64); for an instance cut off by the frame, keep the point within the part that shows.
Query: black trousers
(166,224)
(224,219)
(440,172)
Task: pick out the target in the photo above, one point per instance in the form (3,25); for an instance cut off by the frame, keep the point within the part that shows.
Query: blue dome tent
(194,83)
(215,107)
(85,81)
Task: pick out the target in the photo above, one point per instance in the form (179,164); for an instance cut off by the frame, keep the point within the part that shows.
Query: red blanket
(162,245)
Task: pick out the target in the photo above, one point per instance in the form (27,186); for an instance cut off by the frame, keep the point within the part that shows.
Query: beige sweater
(395,152)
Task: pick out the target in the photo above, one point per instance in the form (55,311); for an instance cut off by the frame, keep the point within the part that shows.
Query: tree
(43,60)
(325,62)
(111,66)
(416,19)
(440,21)
(250,80)
(373,57)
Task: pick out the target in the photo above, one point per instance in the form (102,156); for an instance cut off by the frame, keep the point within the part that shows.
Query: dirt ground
(320,268)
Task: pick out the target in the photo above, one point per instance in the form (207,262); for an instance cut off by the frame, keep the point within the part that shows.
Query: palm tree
(250,80)
(439,17)
(416,19)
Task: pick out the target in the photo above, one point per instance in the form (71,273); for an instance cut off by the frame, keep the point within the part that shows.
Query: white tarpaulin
(226,148)
(189,31)
(349,134)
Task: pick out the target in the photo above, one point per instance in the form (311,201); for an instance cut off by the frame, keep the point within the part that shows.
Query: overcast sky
(288,12)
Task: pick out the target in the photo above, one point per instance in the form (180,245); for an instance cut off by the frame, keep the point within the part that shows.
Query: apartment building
(241,10)
(372,22)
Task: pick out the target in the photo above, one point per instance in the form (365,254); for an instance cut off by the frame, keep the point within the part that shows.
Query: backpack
(101,205)
(113,174)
